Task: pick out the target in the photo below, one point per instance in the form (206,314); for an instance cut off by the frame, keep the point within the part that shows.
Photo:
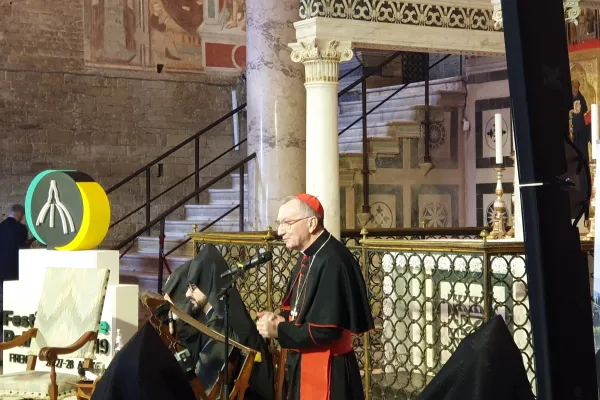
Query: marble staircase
(400,117)
(140,264)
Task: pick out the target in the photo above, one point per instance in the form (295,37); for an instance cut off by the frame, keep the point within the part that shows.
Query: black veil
(486,365)
(205,272)
(144,369)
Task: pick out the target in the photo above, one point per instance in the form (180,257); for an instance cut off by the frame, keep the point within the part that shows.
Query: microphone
(254,262)
(171,323)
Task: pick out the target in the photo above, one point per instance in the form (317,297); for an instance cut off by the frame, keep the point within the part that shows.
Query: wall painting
(182,35)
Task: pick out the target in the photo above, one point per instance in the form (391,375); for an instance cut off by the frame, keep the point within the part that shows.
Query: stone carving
(321,58)
(382,215)
(407,13)
(437,135)
(435,215)
(572,12)
(497,17)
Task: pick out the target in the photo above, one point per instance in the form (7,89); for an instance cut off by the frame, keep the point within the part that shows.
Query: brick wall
(56,113)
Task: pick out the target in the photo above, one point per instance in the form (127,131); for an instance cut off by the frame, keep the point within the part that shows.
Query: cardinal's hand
(267,324)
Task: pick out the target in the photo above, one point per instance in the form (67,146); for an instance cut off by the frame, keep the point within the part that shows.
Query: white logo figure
(62,210)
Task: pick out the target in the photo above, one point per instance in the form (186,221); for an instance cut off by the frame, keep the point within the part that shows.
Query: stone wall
(57,113)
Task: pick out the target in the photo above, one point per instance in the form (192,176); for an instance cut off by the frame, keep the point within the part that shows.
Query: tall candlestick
(595,130)
(498,125)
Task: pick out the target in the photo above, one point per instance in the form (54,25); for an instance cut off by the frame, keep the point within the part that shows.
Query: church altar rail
(425,295)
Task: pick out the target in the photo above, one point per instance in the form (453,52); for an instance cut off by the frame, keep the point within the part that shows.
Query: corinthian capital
(321,58)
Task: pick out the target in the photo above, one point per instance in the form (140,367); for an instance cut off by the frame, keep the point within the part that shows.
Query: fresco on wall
(182,35)
(585,33)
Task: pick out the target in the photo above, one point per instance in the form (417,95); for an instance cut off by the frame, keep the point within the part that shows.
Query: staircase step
(211,211)
(150,245)
(144,265)
(235,181)
(410,113)
(440,99)
(226,196)
(387,146)
(389,129)
(181,229)
(417,89)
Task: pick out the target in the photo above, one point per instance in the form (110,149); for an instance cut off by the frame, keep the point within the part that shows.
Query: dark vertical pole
(241,198)
(161,254)
(366,207)
(148,200)
(197,168)
(561,318)
(427,119)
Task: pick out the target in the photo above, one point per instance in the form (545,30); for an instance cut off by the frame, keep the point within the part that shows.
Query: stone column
(321,60)
(276,109)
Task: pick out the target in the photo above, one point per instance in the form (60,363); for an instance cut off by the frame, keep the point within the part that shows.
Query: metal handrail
(385,62)
(423,232)
(167,190)
(382,102)
(146,168)
(174,149)
(174,249)
(184,200)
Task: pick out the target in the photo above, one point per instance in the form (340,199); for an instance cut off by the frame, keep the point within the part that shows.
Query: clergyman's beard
(196,306)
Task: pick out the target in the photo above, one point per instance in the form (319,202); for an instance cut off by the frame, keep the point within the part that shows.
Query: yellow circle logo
(67,210)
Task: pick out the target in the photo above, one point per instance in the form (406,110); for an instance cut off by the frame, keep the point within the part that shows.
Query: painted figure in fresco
(585,28)
(581,120)
(163,47)
(188,14)
(112,30)
(237,14)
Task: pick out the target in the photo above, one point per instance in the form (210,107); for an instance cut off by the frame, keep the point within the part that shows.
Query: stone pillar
(321,60)
(276,109)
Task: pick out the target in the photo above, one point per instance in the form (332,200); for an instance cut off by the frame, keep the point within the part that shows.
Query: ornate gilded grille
(425,296)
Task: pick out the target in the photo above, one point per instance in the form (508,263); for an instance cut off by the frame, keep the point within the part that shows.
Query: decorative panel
(405,13)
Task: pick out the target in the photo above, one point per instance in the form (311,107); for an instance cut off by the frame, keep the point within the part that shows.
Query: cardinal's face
(293,226)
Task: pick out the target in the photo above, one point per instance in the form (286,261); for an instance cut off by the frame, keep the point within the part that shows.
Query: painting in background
(181,35)
(584,34)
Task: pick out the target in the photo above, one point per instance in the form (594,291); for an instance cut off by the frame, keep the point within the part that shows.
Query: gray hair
(305,210)
(17,208)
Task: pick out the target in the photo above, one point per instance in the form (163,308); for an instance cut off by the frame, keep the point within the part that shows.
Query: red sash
(315,367)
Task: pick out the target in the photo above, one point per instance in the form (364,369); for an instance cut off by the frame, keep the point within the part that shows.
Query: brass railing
(425,295)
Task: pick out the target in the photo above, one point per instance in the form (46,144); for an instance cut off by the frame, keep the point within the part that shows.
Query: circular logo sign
(67,210)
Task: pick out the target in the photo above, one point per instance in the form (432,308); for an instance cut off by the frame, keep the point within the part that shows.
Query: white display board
(21,300)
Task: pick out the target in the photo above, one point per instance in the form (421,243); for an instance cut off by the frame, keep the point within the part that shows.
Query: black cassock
(327,300)
(144,369)
(486,365)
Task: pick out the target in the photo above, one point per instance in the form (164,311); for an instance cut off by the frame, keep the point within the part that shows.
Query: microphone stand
(224,295)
